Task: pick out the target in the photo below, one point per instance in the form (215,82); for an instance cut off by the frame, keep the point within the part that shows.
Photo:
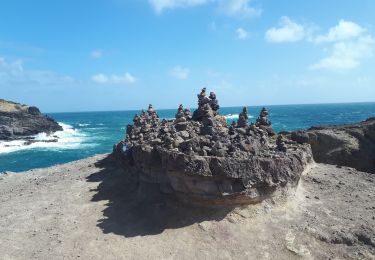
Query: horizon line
(139,109)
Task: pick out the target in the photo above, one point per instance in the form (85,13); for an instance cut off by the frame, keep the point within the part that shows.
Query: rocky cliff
(19,121)
(350,145)
(201,159)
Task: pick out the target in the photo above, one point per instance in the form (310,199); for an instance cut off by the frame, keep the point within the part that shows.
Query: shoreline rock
(350,145)
(19,121)
(204,160)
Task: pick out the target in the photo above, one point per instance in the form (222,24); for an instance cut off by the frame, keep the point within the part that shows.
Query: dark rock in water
(206,161)
(350,145)
(19,121)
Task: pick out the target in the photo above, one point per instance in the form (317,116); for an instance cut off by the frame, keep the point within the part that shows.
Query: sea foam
(68,138)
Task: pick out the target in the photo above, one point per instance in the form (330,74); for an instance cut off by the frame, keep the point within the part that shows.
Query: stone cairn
(204,159)
(263,123)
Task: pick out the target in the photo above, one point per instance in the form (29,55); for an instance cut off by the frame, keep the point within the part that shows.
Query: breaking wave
(68,138)
(234,116)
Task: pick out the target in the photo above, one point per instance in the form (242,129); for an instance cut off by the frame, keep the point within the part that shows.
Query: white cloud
(347,55)
(242,34)
(238,8)
(126,78)
(13,72)
(161,5)
(180,72)
(343,31)
(96,54)
(289,31)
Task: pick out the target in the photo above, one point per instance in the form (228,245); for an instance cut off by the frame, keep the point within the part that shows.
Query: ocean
(89,133)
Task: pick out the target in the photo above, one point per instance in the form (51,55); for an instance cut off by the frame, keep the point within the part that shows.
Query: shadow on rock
(138,209)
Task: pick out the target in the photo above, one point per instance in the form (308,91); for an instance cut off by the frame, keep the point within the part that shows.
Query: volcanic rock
(205,161)
(19,121)
(350,145)
(263,122)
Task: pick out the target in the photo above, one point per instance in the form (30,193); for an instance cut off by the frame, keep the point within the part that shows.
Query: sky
(97,55)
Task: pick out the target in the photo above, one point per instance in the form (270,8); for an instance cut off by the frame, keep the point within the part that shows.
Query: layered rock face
(19,121)
(347,145)
(203,160)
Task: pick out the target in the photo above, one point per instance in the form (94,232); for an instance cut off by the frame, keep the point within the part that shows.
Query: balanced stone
(263,123)
(243,118)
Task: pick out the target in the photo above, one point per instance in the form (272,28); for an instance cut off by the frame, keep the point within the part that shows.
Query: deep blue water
(91,133)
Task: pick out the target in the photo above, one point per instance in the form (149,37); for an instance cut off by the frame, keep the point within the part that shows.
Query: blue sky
(81,55)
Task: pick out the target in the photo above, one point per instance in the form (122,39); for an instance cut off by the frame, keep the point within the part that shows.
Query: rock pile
(263,122)
(203,160)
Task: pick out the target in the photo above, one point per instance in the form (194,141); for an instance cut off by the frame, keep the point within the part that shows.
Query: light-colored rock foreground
(90,209)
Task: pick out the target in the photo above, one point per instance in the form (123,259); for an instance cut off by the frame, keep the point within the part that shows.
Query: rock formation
(203,160)
(350,145)
(19,121)
(263,122)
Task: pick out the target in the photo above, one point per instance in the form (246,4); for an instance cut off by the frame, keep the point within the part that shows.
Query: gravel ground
(90,209)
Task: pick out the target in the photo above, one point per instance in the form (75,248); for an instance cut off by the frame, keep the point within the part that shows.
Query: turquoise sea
(90,133)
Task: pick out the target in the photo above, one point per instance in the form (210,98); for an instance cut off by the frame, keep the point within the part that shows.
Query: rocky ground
(91,209)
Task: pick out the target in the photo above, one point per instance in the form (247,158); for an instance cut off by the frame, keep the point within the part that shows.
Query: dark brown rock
(208,162)
(350,145)
(18,121)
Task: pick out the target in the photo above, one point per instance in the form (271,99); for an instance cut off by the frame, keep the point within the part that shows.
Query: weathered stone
(206,161)
(18,121)
(350,145)
(263,123)
(300,137)
(243,118)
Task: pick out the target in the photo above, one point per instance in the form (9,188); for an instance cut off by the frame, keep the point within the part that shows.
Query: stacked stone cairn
(204,159)
(263,122)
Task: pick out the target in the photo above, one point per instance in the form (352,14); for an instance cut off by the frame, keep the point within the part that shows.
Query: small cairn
(263,123)
(203,103)
(243,118)
(180,122)
(152,113)
(214,103)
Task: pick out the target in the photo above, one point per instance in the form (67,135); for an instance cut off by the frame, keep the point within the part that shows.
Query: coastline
(91,209)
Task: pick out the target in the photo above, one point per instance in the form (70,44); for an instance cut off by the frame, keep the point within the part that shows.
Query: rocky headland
(350,145)
(127,205)
(201,159)
(18,121)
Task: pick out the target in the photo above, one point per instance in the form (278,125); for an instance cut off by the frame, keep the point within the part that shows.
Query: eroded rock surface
(350,145)
(19,121)
(202,159)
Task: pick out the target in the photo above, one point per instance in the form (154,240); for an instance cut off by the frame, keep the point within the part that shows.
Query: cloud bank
(179,72)
(288,31)
(125,78)
(235,8)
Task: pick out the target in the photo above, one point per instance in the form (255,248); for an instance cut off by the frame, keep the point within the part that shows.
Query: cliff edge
(350,145)
(19,121)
